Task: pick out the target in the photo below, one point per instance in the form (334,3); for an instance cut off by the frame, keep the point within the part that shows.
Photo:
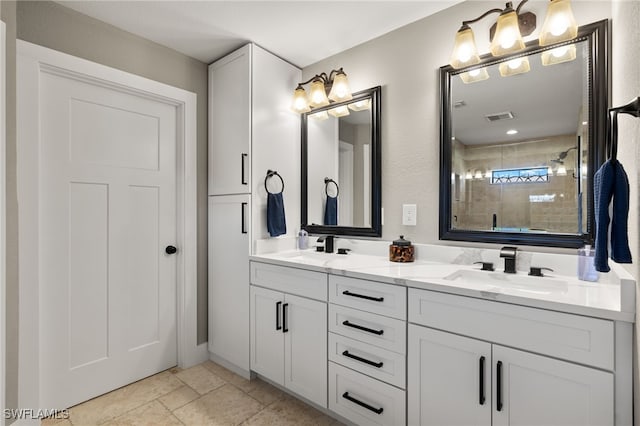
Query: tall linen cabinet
(251,130)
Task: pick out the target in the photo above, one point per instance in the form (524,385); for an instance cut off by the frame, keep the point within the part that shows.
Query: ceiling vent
(499,116)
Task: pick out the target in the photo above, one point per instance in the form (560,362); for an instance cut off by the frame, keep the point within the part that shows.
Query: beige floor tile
(289,411)
(224,406)
(200,379)
(57,422)
(266,393)
(230,376)
(151,414)
(120,401)
(178,397)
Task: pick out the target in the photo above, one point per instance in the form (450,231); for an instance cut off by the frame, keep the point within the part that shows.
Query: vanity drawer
(384,299)
(387,333)
(371,360)
(290,280)
(363,400)
(572,337)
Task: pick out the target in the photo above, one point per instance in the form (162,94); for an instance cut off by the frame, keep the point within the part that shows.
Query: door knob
(170,250)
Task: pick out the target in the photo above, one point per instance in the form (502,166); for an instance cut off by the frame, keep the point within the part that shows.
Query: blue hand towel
(331,211)
(276,222)
(611,181)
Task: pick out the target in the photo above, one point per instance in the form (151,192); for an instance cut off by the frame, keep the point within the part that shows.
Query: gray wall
(56,27)
(406,62)
(625,87)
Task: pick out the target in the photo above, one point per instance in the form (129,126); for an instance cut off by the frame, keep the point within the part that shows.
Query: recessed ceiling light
(512,132)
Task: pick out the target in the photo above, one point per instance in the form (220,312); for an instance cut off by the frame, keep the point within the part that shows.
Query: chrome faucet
(509,255)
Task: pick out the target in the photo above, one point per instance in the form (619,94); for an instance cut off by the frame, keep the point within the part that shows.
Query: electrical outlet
(409,213)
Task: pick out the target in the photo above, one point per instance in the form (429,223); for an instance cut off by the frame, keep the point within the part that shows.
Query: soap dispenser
(586,267)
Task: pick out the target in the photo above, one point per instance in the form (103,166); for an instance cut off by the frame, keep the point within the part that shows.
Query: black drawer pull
(499,386)
(362,296)
(359,327)
(285,323)
(482,397)
(278,326)
(362,404)
(366,361)
(243,180)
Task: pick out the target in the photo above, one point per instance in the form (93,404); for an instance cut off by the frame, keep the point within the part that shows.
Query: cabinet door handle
(359,327)
(243,180)
(362,404)
(366,361)
(362,296)
(285,327)
(243,214)
(499,386)
(278,326)
(481,393)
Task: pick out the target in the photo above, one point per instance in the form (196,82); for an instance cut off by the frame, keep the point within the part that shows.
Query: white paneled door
(107,215)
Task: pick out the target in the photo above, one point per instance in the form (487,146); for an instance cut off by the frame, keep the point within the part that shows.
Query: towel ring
(270,174)
(327,181)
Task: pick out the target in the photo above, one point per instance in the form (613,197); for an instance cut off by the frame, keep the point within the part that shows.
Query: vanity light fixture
(360,105)
(340,111)
(337,84)
(468,176)
(514,66)
(320,115)
(472,76)
(559,24)
(506,34)
(478,174)
(559,55)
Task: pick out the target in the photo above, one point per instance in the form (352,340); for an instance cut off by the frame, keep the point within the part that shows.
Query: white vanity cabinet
(367,351)
(250,131)
(479,380)
(289,331)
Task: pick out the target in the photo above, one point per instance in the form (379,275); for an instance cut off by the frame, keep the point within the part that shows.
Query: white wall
(625,87)
(405,62)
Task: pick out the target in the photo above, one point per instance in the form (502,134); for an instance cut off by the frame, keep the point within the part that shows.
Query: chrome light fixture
(336,83)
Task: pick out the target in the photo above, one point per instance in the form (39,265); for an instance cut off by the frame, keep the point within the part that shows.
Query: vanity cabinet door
(305,348)
(267,338)
(535,390)
(449,380)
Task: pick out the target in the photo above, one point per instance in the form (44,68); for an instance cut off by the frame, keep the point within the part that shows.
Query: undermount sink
(525,283)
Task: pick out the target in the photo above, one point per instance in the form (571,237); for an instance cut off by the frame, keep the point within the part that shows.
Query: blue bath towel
(331,211)
(611,181)
(276,222)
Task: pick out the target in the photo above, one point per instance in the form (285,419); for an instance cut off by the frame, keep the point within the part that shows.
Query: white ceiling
(301,32)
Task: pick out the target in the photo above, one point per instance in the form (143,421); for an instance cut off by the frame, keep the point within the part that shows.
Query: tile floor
(206,394)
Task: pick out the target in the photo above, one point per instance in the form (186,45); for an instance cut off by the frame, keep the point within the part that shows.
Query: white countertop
(613,297)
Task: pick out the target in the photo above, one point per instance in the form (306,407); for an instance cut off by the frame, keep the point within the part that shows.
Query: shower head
(563,155)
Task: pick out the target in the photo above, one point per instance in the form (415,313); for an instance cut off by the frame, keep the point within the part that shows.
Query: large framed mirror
(341,183)
(520,139)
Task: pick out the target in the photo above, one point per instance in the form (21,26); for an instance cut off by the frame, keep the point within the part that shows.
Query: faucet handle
(486,266)
(508,251)
(536,271)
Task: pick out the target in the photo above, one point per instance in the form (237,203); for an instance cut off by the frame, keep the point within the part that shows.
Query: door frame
(3,205)
(32,60)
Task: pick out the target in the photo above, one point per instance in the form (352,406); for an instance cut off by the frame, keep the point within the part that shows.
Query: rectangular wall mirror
(341,167)
(521,137)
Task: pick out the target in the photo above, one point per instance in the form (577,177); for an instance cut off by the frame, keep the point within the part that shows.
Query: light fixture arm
(508,7)
(326,79)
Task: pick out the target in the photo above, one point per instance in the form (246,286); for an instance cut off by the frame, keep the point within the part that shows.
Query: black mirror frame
(597,34)
(376,181)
